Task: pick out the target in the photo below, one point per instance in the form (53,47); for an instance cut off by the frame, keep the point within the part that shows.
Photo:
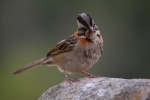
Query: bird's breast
(79,59)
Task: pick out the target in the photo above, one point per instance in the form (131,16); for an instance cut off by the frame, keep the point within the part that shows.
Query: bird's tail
(31,65)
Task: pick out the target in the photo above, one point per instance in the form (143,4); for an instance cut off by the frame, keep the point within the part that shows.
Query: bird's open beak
(91,29)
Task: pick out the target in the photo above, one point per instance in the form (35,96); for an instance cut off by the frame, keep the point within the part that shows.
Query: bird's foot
(71,80)
(92,76)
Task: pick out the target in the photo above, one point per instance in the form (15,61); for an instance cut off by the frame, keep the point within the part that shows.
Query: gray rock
(100,89)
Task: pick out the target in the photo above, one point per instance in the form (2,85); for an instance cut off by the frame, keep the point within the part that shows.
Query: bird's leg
(70,79)
(89,75)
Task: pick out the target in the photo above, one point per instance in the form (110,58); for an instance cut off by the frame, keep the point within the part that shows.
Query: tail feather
(31,65)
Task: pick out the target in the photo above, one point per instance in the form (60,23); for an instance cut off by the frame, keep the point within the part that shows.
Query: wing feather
(64,45)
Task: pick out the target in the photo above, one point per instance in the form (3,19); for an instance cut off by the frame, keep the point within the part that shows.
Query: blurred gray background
(29,28)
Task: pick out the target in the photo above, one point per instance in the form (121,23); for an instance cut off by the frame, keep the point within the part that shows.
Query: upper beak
(91,29)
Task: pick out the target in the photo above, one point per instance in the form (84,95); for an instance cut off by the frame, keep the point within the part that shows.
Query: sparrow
(75,54)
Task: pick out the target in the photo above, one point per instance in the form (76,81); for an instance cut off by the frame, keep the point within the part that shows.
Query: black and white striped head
(85,22)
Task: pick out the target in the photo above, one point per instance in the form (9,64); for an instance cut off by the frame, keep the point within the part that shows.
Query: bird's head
(86,23)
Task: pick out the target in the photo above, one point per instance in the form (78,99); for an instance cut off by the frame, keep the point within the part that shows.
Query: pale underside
(77,58)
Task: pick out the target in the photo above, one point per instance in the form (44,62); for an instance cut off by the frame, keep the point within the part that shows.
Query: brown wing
(64,45)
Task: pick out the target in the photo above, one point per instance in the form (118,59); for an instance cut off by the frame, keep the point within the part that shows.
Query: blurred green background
(29,28)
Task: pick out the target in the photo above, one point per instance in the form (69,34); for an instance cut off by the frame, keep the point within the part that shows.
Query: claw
(71,80)
(90,75)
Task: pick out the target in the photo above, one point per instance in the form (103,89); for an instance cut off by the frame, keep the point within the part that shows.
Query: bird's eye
(98,35)
(82,29)
(94,24)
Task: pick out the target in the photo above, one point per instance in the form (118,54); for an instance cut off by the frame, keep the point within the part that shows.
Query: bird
(76,53)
